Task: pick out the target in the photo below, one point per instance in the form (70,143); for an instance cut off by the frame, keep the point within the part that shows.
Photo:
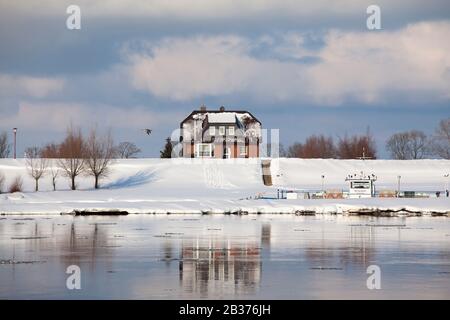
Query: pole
(323,191)
(447,185)
(15,142)
(398,186)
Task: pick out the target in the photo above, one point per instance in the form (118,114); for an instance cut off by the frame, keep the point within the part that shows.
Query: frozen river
(219,256)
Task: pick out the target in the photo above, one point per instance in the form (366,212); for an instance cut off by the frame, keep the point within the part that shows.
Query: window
(242,150)
(203,150)
(360,185)
(221,131)
(212,131)
(231,131)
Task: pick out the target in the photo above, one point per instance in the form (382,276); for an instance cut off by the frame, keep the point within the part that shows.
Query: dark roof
(217,111)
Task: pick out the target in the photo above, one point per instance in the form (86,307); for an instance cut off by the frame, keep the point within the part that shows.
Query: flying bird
(147,131)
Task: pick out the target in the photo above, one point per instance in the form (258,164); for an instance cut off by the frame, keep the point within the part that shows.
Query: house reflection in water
(221,266)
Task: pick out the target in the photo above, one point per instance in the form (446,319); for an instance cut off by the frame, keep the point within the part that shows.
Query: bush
(16,185)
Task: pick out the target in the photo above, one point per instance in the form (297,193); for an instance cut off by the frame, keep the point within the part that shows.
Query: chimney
(203,108)
(222,109)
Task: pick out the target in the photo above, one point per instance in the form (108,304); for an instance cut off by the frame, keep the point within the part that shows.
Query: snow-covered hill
(212,185)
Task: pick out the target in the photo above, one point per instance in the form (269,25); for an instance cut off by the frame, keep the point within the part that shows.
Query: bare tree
(36,164)
(99,154)
(398,146)
(294,150)
(441,139)
(51,152)
(357,147)
(54,172)
(2,181)
(127,150)
(72,155)
(5,147)
(314,147)
(408,145)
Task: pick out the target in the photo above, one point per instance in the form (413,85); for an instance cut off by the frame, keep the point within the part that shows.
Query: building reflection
(220,266)
(265,235)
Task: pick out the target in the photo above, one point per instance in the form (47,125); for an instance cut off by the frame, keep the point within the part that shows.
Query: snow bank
(226,186)
(419,175)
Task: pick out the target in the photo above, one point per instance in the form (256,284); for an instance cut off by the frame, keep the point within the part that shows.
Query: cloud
(217,9)
(37,87)
(370,67)
(364,67)
(56,116)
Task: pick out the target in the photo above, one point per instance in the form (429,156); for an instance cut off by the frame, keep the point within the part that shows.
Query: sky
(303,67)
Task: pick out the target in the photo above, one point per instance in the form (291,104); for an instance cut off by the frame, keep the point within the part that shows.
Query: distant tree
(294,150)
(272,150)
(167,151)
(283,152)
(99,155)
(72,155)
(357,146)
(408,145)
(50,151)
(127,150)
(36,164)
(441,140)
(54,172)
(314,147)
(5,147)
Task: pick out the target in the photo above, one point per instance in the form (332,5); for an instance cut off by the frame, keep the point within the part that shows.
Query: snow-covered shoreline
(157,186)
(378,207)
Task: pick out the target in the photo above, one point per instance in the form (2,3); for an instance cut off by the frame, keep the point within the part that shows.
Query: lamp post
(398,186)
(323,181)
(447,184)
(15,141)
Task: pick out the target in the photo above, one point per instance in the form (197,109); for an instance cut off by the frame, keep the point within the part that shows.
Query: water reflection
(220,266)
(224,257)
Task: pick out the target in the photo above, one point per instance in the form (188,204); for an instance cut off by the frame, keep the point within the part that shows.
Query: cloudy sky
(305,67)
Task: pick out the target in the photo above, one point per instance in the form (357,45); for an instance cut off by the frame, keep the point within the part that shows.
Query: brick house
(220,134)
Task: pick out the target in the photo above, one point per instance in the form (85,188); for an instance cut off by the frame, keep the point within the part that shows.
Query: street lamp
(398,186)
(447,185)
(15,141)
(323,181)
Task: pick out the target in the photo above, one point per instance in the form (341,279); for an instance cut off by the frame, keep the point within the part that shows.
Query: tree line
(75,155)
(347,147)
(413,144)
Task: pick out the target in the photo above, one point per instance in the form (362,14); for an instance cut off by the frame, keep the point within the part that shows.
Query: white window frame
(242,148)
(197,150)
(231,131)
(221,131)
(212,131)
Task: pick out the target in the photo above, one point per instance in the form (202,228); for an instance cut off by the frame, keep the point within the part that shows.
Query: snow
(227,186)
(419,175)
(222,117)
